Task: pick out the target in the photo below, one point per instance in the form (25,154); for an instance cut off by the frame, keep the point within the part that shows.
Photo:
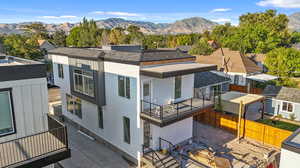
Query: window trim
(287,107)
(60,69)
(126,88)
(83,82)
(180,95)
(124,135)
(12,112)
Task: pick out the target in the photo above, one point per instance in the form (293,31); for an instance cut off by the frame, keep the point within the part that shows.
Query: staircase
(161,161)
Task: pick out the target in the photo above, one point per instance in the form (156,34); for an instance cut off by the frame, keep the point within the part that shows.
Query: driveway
(87,153)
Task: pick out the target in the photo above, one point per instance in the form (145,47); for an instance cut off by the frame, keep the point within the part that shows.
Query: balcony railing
(173,110)
(34,147)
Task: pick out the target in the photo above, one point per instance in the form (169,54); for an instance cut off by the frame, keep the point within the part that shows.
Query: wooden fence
(249,129)
(244,89)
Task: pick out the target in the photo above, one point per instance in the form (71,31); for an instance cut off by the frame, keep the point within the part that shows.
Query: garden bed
(279,124)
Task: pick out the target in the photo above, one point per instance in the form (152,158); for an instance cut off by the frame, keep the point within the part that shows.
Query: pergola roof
(237,97)
(262,77)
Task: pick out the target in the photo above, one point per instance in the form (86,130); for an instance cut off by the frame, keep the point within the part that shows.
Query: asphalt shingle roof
(283,93)
(203,79)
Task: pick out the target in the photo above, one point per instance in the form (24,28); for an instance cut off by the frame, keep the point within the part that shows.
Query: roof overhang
(238,97)
(262,77)
(171,70)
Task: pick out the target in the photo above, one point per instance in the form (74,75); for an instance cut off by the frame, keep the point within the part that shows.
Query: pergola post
(263,108)
(241,109)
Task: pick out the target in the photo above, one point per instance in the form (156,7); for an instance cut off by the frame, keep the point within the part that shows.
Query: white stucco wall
(289,159)
(175,133)
(30,106)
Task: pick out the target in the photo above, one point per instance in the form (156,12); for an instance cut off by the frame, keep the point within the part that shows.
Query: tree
(22,46)
(38,30)
(87,34)
(117,35)
(283,62)
(58,38)
(134,35)
(201,48)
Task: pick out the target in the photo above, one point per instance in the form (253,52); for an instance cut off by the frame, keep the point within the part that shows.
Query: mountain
(189,25)
(294,21)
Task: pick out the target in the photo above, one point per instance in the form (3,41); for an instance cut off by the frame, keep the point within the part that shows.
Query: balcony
(163,115)
(36,150)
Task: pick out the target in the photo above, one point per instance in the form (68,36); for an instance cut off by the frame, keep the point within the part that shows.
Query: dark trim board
(12,111)
(291,146)
(19,72)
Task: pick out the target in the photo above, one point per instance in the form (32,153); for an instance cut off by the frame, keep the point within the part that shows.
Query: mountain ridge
(188,25)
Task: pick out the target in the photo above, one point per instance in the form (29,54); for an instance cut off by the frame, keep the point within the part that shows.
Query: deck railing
(172,110)
(30,147)
(154,157)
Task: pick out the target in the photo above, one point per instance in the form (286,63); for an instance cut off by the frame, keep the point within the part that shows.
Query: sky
(158,11)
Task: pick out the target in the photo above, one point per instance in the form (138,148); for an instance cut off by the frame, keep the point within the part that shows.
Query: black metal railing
(154,157)
(172,110)
(30,147)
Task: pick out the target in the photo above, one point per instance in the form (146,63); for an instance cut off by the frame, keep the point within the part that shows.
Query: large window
(124,86)
(177,87)
(100,118)
(6,114)
(287,107)
(84,82)
(74,105)
(60,71)
(126,126)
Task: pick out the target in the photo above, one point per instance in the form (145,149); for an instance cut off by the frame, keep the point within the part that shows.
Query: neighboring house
(283,101)
(28,137)
(259,60)
(235,65)
(46,46)
(128,97)
(209,84)
(290,151)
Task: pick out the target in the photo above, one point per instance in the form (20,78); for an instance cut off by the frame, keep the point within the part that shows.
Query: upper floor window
(177,87)
(287,107)
(60,71)
(74,105)
(124,86)
(6,114)
(84,82)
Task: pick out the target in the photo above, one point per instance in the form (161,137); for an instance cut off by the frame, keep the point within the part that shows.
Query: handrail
(170,143)
(152,156)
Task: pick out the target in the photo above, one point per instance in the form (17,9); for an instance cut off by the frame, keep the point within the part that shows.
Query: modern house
(28,136)
(290,151)
(236,65)
(127,97)
(210,84)
(283,101)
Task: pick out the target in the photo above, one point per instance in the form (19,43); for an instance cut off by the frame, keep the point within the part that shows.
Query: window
(74,105)
(6,114)
(60,71)
(126,126)
(177,87)
(84,82)
(236,79)
(287,107)
(100,118)
(124,86)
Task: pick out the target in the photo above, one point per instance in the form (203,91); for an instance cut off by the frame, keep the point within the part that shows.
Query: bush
(292,117)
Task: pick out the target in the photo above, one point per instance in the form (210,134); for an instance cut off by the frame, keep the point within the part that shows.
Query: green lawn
(279,124)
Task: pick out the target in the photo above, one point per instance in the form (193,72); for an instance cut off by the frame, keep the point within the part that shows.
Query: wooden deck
(32,147)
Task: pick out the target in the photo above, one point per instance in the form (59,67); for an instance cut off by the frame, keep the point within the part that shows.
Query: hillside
(189,25)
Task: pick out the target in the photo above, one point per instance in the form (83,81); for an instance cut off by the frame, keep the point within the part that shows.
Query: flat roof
(237,97)
(262,77)
(292,143)
(11,61)
(169,70)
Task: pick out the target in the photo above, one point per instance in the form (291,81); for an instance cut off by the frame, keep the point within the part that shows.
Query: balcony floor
(170,111)
(29,148)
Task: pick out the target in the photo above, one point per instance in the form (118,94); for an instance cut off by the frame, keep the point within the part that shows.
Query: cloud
(220,10)
(221,20)
(280,3)
(115,13)
(58,17)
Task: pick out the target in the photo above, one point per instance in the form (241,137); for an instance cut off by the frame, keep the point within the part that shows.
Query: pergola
(237,103)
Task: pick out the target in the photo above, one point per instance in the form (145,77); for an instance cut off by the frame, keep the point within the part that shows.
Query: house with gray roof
(208,84)
(283,101)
